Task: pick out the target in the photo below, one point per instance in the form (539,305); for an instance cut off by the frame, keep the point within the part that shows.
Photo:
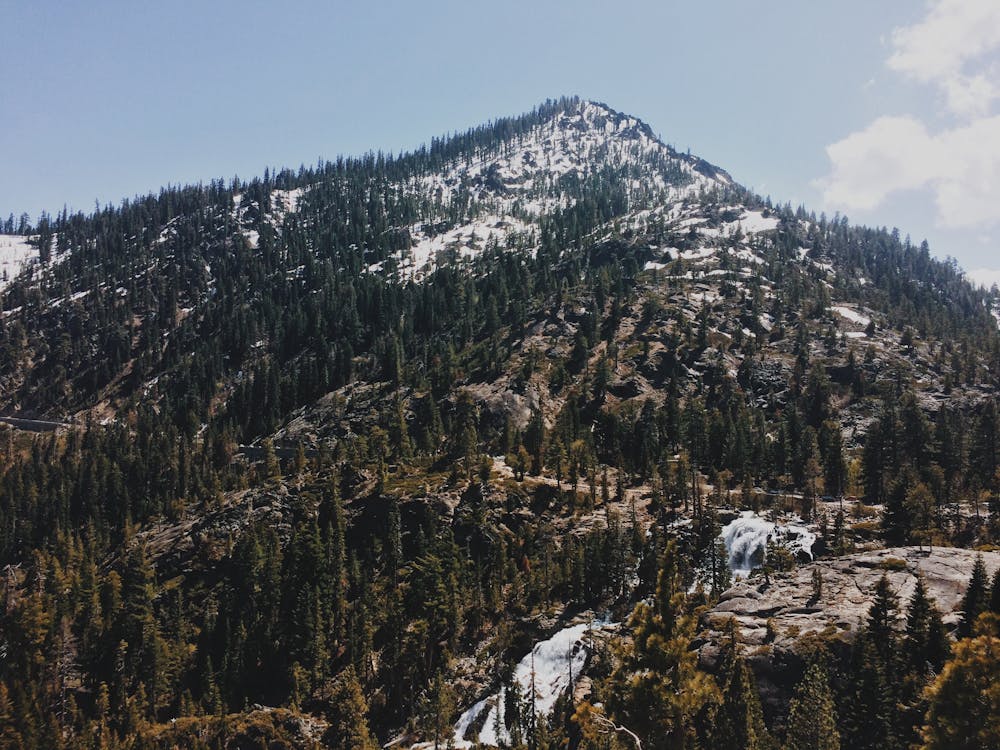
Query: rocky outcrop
(779,621)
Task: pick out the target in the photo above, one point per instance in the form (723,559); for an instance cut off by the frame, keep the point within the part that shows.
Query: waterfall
(746,538)
(554,661)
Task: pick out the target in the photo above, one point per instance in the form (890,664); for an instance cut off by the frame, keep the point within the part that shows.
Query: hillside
(339,445)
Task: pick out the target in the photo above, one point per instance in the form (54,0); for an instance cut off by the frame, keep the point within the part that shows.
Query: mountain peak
(547,168)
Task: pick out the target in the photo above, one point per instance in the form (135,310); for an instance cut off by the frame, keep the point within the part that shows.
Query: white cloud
(961,166)
(939,49)
(870,164)
(953,49)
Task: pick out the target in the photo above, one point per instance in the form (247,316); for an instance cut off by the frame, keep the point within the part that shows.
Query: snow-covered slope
(16,254)
(283,202)
(536,174)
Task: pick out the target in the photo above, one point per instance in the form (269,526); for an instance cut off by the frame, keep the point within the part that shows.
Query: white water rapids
(565,653)
(746,538)
(556,660)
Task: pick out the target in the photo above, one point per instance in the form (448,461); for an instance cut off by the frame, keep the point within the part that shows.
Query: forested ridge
(343,443)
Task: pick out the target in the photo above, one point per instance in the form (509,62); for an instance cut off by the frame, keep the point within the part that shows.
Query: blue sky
(884,110)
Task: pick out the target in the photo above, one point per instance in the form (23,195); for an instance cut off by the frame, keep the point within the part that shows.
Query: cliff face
(778,620)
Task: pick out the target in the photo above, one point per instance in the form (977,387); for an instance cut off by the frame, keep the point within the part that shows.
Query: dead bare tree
(609,727)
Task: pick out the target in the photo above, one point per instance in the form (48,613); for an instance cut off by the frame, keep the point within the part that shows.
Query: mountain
(319,456)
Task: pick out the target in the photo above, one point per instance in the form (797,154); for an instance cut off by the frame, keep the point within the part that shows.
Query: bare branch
(609,726)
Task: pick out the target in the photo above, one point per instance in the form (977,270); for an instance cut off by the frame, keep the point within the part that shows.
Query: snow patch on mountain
(754,222)
(535,174)
(283,203)
(851,315)
(750,223)
(528,172)
(465,241)
(16,254)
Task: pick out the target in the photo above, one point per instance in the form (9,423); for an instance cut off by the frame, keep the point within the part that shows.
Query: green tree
(812,720)
(348,715)
(976,599)
(926,641)
(739,724)
(658,690)
(963,710)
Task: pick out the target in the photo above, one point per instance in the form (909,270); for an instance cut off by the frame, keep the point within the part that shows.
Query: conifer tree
(882,616)
(964,702)
(348,715)
(926,642)
(739,724)
(658,690)
(976,599)
(336,555)
(812,720)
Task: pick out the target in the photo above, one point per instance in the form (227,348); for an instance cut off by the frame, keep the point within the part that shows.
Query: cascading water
(747,535)
(555,662)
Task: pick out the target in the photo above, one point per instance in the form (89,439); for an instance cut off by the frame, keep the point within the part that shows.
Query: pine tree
(926,642)
(210,695)
(658,690)
(812,720)
(976,599)
(882,618)
(817,585)
(336,555)
(348,715)
(964,701)
(272,467)
(872,720)
(436,710)
(739,724)
(925,648)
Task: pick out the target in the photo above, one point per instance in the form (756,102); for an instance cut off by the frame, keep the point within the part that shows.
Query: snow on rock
(700,253)
(467,241)
(753,222)
(750,222)
(578,141)
(16,254)
(747,535)
(283,202)
(527,177)
(553,663)
(851,315)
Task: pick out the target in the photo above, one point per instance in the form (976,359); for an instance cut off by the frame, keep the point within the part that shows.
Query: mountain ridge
(347,442)
(506,210)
